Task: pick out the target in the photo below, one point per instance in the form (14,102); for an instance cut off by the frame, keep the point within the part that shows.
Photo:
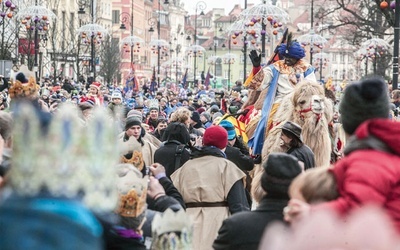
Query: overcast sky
(190,5)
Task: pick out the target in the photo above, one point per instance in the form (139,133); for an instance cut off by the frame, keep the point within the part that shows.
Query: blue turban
(295,50)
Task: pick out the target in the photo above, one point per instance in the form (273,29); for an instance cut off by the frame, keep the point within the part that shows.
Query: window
(115,16)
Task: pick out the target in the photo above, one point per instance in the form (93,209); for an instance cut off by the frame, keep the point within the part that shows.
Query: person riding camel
(273,83)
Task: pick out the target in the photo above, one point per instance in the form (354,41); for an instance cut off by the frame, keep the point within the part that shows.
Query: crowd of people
(91,166)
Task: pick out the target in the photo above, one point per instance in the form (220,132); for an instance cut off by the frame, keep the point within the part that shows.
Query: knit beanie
(215,136)
(206,115)
(135,113)
(280,170)
(228,126)
(132,121)
(363,101)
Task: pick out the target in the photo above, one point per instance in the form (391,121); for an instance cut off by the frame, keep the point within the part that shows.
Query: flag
(153,83)
(135,86)
(184,79)
(207,79)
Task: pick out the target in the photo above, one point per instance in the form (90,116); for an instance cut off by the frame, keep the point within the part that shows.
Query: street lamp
(127,18)
(151,22)
(199,6)
(263,13)
(36,18)
(92,33)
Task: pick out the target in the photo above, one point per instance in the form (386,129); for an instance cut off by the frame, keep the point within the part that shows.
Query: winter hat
(206,115)
(363,101)
(215,136)
(116,95)
(132,121)
(280,170)
(228,126)
(96,85)
(293,50)
(201,110)
(293,129)
(135,113)
(216,115)
(214,109)
(196,118)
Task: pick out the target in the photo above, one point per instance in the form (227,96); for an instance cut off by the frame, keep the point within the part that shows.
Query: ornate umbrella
(132,41)
(311,39)
(196,50)
(267,12)
(376,46)
(92,29)
(36,11)
(229,58)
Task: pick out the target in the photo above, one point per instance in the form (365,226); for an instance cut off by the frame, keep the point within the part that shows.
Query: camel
(308,107)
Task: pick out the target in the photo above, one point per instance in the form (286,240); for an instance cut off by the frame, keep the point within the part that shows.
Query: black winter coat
(304,154)
(244,162)
(165,155)
(243,231)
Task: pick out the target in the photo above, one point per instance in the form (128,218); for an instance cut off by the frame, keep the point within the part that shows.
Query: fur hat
(215,136)
(229,128)
(132,121)
(293,129)
(280,170)
(363,101)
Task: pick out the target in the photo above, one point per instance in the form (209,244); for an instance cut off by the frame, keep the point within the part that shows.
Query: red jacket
(370,176)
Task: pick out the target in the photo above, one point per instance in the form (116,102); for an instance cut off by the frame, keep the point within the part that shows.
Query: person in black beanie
(244,230)
(369,172)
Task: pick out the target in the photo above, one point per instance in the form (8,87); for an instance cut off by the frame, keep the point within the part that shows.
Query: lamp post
(124,20)
(36,18)
(215,40)
(92,33)
(199,6)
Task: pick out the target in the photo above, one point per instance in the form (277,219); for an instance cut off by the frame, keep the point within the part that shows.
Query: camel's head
(308,99)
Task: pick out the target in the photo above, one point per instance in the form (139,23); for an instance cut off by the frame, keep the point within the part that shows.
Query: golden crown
(67,159)
(132,190)
(132,146)
(172,230)
(23,89)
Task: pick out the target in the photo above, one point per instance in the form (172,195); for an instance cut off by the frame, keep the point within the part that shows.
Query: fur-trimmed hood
(378,134)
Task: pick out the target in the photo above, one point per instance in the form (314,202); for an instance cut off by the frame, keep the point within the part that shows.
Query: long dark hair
(295,142)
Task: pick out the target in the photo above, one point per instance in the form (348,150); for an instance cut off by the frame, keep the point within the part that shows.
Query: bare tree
(356,21)
(110,59)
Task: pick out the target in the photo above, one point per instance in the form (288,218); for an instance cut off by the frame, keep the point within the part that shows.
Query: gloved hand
(255,58)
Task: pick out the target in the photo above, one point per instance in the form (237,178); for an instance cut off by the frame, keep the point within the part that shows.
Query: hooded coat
(370,172)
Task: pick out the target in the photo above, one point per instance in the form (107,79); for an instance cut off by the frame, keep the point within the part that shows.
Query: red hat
(96,85)
(215,136)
